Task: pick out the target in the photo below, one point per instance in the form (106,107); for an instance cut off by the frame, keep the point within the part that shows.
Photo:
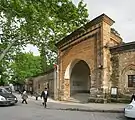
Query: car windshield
(2,90)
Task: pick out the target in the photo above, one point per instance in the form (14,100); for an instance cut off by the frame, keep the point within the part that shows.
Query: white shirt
(45,92)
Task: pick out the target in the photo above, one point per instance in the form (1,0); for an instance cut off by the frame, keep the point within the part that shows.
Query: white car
(130,110)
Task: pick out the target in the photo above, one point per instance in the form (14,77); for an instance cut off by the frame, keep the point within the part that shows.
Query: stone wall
(89,47)
(126,67)
(114,78)
(79,52)
(123,64)
(40,82)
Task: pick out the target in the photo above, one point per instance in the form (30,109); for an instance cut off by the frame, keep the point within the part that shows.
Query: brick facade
(92,46)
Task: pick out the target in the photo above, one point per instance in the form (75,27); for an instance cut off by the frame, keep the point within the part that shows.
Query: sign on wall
(114,91)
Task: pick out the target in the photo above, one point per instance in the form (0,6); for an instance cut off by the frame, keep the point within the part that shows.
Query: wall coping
(123,47)
(84,29)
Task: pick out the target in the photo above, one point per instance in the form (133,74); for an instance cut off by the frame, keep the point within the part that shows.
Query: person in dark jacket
(133,97)
(44,95)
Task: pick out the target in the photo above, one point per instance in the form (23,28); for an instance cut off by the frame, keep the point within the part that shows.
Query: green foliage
(38,22)
(25,65)
(4,72)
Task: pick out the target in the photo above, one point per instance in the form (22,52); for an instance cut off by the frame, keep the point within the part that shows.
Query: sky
(121,11)
(31,48)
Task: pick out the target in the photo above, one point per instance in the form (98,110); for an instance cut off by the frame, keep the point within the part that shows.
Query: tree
(24,66)
(3,73)
(39,22)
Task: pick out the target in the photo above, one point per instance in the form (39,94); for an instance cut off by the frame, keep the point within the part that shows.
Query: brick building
(92,60)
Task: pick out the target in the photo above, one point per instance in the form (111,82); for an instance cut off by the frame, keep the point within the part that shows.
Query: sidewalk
(88,107)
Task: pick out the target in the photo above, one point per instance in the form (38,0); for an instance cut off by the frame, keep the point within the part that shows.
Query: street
(35,111)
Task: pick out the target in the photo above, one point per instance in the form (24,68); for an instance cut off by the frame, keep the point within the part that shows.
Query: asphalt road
(35,111)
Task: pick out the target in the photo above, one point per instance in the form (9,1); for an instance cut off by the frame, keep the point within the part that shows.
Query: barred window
(131,80)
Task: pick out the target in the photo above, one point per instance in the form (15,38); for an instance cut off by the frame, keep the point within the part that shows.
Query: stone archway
(78,75)
(80,78)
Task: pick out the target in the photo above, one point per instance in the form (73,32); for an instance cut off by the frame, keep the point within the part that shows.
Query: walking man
(24,97)
(44,95)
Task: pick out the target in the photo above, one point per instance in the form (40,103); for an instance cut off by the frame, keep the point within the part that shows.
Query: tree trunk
(2,55)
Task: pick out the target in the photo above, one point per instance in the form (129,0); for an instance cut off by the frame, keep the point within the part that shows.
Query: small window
(131,80)
(38,86)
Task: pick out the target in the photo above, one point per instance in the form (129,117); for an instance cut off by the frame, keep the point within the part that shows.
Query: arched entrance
(80,81)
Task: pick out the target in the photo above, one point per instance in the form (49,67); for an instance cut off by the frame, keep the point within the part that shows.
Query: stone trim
(128,67)
(81,40)
(118,36)
(123,51)
(78,37)
(84,29)
(122,48)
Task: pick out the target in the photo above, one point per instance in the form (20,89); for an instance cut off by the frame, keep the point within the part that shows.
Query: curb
(87,110)
(91,110)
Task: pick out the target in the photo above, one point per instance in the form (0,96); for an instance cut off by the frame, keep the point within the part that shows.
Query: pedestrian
(44,96)
(36,95)
(132,97)
(31,91)
(24,97)
(20,92)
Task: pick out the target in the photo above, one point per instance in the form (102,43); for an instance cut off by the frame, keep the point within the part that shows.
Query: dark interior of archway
(80,78)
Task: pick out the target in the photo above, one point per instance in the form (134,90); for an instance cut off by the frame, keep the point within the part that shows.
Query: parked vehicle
(8,88)
(130,110)
(6,98)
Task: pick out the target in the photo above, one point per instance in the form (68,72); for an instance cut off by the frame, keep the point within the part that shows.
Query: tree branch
(7,49)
